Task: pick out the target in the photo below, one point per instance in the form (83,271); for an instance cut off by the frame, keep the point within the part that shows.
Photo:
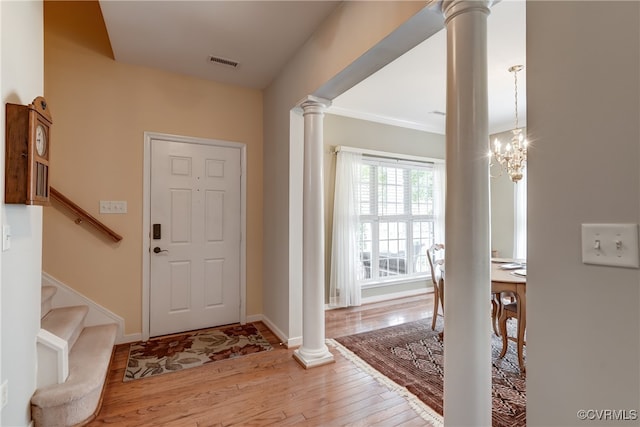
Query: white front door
(195,236)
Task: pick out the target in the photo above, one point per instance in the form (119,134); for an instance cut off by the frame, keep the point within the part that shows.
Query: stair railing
(82,215)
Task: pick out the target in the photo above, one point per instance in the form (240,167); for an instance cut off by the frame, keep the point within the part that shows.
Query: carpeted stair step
(46,299)
(76,400)
(66,322)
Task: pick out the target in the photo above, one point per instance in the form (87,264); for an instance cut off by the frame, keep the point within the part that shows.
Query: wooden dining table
(503,280)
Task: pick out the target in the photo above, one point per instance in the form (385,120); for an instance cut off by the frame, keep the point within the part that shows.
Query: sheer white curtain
(439,191)
(345,260)
(520,218)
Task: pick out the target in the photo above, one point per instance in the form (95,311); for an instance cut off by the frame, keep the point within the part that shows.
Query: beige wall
(583,104)
(355,41)
(502,206)
(101,109)
(339,130)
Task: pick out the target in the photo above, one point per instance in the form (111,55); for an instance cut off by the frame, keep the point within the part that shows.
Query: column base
(313,359)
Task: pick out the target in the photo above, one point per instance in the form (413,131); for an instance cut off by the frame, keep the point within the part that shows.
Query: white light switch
(105,206)
(113,207)
(610,244)
(119,207)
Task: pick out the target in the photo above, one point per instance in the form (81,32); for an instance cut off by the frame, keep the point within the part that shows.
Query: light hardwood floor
(269,388)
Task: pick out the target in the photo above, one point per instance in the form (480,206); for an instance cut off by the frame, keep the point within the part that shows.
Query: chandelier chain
(515,79)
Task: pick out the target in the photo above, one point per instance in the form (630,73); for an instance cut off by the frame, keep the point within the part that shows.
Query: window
(520,218)
(396,219)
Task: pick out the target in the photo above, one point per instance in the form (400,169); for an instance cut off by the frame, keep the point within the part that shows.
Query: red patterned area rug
(178,352)
(412,356)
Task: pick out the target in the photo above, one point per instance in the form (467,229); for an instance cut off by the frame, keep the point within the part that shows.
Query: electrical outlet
(4,394)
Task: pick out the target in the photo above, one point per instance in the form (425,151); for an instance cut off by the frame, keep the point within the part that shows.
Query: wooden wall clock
(28,144)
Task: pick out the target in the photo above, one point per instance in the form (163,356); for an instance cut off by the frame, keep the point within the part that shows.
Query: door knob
(157,250)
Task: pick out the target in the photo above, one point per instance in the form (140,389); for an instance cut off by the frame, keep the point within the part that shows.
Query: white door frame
(146,218)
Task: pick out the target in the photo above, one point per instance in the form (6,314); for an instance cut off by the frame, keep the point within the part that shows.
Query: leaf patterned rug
(177,352)
(412,356)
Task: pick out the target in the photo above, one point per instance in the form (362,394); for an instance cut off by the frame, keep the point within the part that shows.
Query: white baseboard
(289,342)
(297,341)
(98,315)
(129,338)
(402,294)
(385,297)
(294,342)
(255,318)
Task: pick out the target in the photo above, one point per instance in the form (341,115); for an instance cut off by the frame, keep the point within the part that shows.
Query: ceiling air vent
(223,61)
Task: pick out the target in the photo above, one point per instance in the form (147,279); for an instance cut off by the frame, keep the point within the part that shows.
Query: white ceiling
(179,36)
(408,91)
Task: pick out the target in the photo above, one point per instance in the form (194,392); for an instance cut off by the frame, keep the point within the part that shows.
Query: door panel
(214,216)
(180,286)
(181,214)
(195,276)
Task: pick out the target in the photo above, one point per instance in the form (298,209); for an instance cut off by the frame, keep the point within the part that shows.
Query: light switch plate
(119,207)
(4,394)
(113,207)
(6,237)
(610,244)
(105,206)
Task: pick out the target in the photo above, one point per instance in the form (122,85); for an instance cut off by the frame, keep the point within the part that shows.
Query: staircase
(83,352)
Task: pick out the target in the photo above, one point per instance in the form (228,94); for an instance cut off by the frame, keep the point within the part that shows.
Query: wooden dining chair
(495,311)
(508,311)
(498,300)
(435,256)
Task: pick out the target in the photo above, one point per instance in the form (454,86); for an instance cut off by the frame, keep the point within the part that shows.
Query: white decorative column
(467,325)
(313,351)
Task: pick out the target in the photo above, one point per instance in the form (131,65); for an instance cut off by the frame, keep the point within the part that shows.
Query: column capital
(453,8)
(311,101)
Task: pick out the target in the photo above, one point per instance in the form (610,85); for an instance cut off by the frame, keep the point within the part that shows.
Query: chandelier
(513,155)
